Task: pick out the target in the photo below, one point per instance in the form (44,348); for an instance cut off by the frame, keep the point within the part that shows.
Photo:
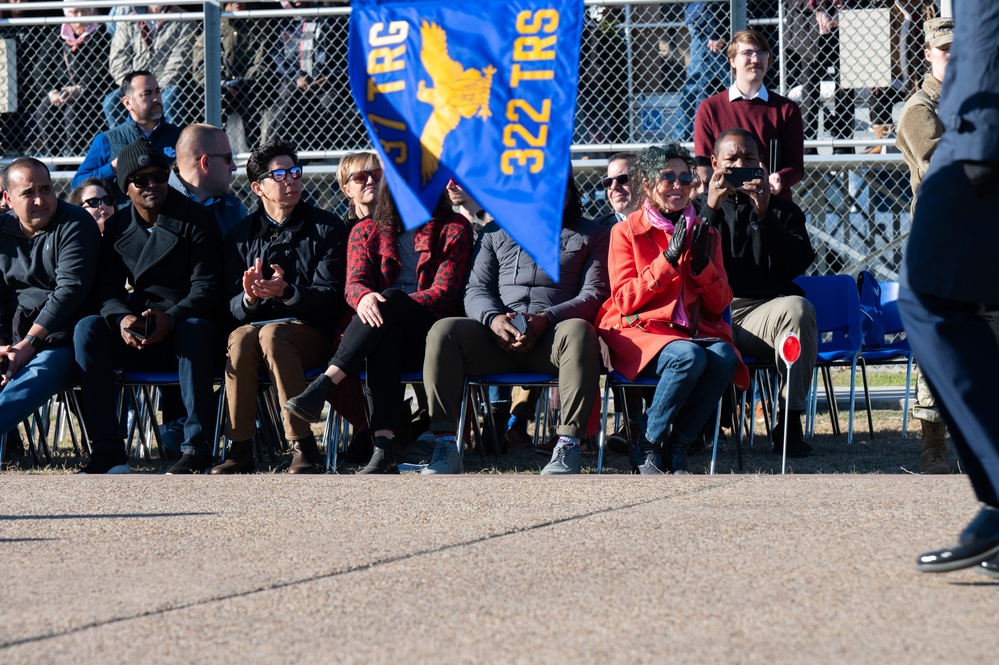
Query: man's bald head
(204,160)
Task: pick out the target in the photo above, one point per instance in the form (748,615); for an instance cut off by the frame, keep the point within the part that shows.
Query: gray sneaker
(565,460)
(445,460)
(649,459)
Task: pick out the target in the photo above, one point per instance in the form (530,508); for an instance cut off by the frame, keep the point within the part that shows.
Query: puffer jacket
(505,278)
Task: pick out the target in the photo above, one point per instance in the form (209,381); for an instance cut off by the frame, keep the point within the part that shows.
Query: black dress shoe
(979,542)
(989,568)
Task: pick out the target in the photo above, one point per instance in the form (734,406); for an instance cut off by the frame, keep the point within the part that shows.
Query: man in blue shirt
(142,97)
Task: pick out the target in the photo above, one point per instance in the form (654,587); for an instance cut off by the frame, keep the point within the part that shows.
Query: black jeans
(385,352)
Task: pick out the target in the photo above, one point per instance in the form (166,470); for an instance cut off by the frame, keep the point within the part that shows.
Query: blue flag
(484,93)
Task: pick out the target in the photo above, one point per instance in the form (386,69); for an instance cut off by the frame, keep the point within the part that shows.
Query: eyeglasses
(361,177)
(619,179)
(749,54)
(685,179)
(98,201)
(157,177)
(280,175)
(227,156)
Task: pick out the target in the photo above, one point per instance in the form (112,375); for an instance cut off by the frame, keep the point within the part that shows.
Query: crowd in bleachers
(170,272)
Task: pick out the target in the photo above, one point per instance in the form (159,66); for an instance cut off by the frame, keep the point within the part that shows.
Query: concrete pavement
(729,569)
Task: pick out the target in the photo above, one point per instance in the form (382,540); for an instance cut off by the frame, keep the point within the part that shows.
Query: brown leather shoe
(305,457)
(239,459)
(517,438)
(934,458)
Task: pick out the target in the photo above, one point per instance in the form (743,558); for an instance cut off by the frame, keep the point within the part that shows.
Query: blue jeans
(707,74)
(193,347)
(115,113)
(691,379)
(49,372)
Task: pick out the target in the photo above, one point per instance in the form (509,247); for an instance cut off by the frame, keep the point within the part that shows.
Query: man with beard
(141,95)
(167,248)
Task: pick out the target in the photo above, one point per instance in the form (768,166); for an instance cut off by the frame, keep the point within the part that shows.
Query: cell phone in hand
(737,176)
(520,323)
(142,327)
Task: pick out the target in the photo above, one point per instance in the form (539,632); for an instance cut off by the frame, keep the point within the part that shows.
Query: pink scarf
(661,222)
(74,40)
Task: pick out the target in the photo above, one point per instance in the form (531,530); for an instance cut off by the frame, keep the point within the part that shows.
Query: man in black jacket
(765,246)
(167,248)
(48,256)
(285,267)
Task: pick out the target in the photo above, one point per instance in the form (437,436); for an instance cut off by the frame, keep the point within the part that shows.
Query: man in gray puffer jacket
(523,321)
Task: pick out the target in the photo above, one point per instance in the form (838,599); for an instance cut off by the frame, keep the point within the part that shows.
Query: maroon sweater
(777,118)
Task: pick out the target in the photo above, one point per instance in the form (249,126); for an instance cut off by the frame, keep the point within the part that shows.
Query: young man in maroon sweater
(774,120)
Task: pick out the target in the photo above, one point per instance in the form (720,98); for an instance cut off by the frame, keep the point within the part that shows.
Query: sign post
(790,351)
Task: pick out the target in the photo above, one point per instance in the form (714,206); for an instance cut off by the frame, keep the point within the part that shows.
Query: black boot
(796,446)
(500,414)
(305,457)
(383,459)
(239,459)
(309,405)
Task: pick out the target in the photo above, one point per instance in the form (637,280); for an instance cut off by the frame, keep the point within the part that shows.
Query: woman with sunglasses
(92,195)
(664,318)
(358,175)
(400,283)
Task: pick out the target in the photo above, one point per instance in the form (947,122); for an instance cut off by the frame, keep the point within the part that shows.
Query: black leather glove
(700,248)
(675,248)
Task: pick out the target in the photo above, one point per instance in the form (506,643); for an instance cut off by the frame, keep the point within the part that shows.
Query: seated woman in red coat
(664,317)
(400,283)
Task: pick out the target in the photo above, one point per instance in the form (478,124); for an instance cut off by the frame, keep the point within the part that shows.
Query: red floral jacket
(445,256)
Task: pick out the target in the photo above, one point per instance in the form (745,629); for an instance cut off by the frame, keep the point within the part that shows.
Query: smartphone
(260,324)
(520,323)
(142,329)
(737,176)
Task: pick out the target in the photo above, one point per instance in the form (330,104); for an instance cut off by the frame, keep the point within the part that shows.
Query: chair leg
(908,387)
(867,398)
(462,415)
(853,397)
(831,399)
(714,445)
(603,429)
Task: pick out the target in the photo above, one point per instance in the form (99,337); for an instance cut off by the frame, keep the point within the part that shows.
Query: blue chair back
(837,312)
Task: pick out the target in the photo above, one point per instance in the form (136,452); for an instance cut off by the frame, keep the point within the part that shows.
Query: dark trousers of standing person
(383,353)
(959,352)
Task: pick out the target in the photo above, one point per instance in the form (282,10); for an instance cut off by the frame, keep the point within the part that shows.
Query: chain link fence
(644,68)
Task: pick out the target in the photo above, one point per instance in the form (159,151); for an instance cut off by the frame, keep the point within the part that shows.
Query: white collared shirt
(734,93)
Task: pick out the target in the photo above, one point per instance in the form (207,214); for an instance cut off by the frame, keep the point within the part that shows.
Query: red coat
(445,255)
(644,293)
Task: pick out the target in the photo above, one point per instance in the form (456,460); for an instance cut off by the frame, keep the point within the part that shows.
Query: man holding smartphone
(167,248)
(765,246)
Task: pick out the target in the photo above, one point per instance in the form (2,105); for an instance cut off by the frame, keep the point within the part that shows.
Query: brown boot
(305,457)
(934,458)
(239,459)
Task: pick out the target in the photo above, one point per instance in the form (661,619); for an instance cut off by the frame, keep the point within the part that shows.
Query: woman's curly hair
(652,161)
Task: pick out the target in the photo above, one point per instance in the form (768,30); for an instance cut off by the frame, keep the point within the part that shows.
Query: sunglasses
(619,179)
(361,177)
(280,175)
(686,179)
(227,156)
(157,177)
(97,201)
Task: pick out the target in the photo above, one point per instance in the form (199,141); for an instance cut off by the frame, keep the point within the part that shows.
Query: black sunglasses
(280,175)
(227,156)
(619,179)
(686,179)
(96,202)
(157,177)
(361,177)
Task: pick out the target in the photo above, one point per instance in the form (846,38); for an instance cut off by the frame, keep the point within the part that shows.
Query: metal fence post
(212,32)
(739,20)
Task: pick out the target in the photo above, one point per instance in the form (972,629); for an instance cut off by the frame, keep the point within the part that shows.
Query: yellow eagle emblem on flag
(457,93)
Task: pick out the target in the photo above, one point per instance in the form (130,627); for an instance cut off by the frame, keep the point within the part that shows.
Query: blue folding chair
(837,311)
(894,349)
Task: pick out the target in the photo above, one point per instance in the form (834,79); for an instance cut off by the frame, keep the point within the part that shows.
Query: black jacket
(45,279)
(762,256)
(176,268)
(311,248)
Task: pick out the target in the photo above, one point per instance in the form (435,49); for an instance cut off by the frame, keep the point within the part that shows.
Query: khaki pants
(287,350)
(458,347)
(759,325)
